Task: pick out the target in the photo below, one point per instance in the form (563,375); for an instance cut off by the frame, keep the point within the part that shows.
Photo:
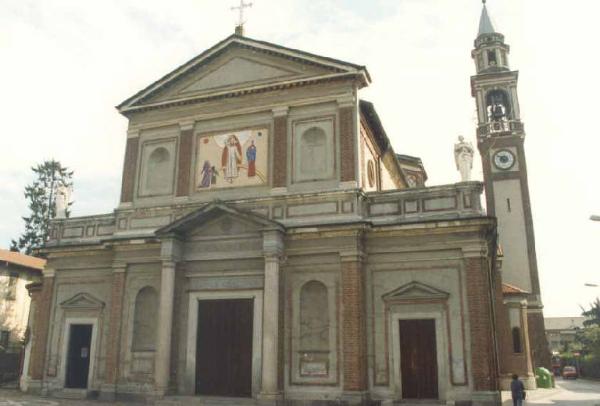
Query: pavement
(571,392)
(578,392)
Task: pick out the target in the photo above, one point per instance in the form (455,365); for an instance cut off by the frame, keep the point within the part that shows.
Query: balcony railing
(500,127)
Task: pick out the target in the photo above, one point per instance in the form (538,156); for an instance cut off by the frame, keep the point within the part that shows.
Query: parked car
(569,372)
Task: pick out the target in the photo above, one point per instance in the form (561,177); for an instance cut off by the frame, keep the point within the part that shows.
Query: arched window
(314,317)
(516,339)
(313,144)
(498,105)
(145,319)
(158,174)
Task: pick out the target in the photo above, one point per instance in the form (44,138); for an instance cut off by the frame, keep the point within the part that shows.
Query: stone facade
(330,263)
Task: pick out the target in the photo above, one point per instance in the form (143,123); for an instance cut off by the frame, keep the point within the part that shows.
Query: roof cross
(241,8)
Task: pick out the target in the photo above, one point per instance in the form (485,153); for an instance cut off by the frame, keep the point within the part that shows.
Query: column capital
(346,101)
(273,245)
(133,133)
(168,264)
(171,249)
(280,111)
(119,267)
(352,256)
(187,125)
(49,273)
(475,251)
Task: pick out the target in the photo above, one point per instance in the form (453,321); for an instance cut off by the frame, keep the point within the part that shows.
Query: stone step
(66,393)
(204,401)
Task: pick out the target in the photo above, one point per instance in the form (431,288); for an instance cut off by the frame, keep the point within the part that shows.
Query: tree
(41,194)
(592,315)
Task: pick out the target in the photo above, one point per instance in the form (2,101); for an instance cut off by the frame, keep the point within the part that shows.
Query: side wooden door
(418,359)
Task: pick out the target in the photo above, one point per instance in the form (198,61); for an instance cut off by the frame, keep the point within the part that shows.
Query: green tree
(592,315)
(41,194)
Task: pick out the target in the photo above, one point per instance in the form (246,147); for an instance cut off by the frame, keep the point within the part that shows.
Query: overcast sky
(67,63)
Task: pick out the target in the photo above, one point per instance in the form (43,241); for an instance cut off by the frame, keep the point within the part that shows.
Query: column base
(108,392)
(357,398)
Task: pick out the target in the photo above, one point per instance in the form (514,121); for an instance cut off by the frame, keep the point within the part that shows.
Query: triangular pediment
(415,291)
(82,301)
(239,65)
(237,71)
(218,218)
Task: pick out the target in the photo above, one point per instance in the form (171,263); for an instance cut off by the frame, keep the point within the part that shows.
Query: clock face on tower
(504,159)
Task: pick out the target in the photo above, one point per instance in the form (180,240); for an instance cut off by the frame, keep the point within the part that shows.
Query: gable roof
(207,212)
(509,289)
(337,68)
(27,261)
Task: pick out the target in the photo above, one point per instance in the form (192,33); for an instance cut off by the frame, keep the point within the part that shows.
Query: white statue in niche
(61,202)
(463,156)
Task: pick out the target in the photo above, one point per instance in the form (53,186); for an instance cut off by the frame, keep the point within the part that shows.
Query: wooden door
(78,356)
(224,348)
(418,359)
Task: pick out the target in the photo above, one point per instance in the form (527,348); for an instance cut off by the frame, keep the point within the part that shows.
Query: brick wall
(129,167)
(40,328)
(114,327)
(280,152)
(483,355)
(347,141)
(185,163)
(354,326)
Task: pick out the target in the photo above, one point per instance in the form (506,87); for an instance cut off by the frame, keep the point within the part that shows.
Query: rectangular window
(11,291)
(4,338)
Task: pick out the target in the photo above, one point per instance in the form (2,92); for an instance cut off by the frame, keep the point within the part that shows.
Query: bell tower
(500,140)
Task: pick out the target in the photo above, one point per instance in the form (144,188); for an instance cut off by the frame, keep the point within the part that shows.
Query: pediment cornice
(415,291)
(332,70)
(83,301)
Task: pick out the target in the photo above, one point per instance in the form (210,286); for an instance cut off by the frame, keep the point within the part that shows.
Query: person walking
(517,390)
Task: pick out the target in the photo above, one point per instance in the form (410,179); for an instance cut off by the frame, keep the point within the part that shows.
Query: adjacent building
(16,271)
(561,331)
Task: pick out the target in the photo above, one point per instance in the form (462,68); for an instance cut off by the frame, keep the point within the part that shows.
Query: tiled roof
(17,258)
(512,290)
(563,323)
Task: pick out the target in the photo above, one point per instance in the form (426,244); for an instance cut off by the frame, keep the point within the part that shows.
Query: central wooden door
(418,359)
(224,348)
(78,356)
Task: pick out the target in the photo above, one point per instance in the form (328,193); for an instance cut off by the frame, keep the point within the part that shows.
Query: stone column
(354,340)
(162,360)
(273,249)
(43,311)
(114,332)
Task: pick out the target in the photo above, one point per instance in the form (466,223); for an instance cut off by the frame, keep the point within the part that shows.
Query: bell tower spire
(500,140)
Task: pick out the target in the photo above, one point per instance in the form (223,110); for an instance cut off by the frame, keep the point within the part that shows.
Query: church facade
(271,245)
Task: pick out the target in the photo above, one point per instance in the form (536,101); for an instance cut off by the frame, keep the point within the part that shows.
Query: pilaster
(171,251)
(114,331)
(184,163)
(482,321)
(354,340)
(130,166)
(41,325)
(347,112)
(280,147)
(273,251)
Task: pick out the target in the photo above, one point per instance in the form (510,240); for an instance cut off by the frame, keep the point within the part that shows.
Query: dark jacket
(517,389)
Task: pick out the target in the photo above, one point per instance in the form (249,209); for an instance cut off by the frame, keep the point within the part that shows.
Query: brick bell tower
(500,140)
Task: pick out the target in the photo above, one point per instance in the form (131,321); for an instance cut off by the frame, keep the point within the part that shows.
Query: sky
(67,63)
